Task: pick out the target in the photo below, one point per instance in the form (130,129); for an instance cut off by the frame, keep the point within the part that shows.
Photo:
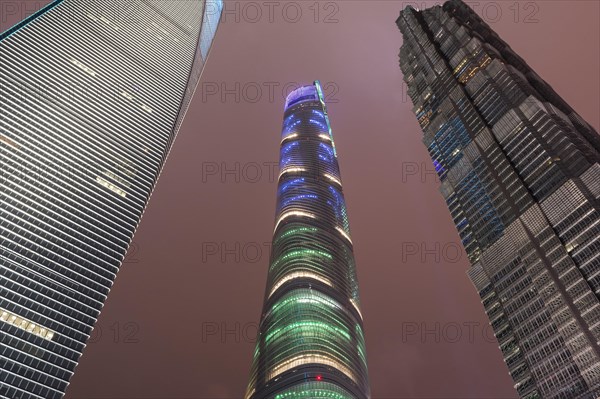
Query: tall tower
(92,94)
(311,341)
(520,174)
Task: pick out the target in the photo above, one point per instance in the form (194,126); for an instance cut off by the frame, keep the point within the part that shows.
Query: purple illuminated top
(303,93)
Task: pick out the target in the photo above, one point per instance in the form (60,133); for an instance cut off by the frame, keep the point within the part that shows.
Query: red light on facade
(319,377)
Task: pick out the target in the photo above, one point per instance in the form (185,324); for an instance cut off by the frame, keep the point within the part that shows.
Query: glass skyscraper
(92,94)
(310,342)
(520,174)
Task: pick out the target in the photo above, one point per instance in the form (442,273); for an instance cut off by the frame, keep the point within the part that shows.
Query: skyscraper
(92,94)
(310,341)
(520,173)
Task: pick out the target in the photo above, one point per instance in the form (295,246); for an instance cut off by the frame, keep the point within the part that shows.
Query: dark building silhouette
(92,94)
(520,174)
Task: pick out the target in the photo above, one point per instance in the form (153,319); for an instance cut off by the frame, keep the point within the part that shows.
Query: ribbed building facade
(310,342)
(520,174)
(92,93)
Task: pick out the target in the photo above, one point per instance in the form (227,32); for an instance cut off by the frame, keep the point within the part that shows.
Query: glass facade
(520,174)
(310,343)
(92,93)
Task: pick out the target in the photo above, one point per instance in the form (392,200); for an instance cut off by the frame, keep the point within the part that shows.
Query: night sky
(181,319)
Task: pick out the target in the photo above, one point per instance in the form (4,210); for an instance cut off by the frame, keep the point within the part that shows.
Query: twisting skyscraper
(92,94)
(311,342)
(520,175)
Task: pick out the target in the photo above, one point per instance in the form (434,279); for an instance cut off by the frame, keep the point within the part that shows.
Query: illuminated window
(312,389)
(293,213)
(299,274)
(127,168)
(301,297)
(301,253)
(332,178)
(289,136)
(127,95)
(103,19)
(292,170)
(307,330)
(355,304)
(9,142)
(308,359)
(146,108)
(342,232)
(297,231)
(88,70)
(25,324)
(116,178)
(111,186)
